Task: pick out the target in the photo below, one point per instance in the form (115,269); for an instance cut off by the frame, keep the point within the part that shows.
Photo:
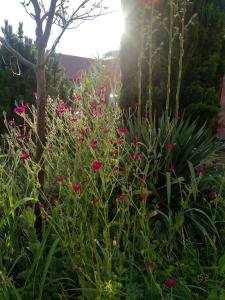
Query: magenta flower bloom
(20,109)
(25,156)
(169,147)
(96,165)
(122,198)
(98,113)
(46,218)
(59,179)
(213,194)
(94,144)
(171,283)
(122,130)
(60,109)
(138,156)
(77,187)
(41,206)
(200,169)
(142,197)
(171,169)
(11,122)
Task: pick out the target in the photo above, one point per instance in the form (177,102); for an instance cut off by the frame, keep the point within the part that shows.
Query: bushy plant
(128,214)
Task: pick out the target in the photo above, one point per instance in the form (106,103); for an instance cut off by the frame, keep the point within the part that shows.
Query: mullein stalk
(150,61)
(180,70)
(140,59)
(169,68)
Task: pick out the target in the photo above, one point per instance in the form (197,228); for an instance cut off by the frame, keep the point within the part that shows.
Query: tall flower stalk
(169,67)
(181,55)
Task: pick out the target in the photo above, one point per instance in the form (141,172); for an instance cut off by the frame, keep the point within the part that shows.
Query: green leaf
(221,263)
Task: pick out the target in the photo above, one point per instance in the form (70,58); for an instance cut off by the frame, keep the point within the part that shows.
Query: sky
(91,39)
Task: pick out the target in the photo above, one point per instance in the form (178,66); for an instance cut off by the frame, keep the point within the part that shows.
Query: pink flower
(77,187)
(59,179)
(25,156)
(138,156)
(119,142)
(60,109)
(94,144)
(98,113)
(11,122)
(96,165)
(41,206)
(46,218)
(171,283)
(121,198)
(142,197)
(20,109)
(81,139)
(171,169)
(200,169)
(129,158)
(93,202)
(122,130)
(213,194)
(135,140)
(149,265)
(169,147)
(76,98)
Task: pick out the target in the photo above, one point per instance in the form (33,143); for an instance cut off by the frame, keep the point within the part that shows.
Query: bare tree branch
(49,23)
(17,54)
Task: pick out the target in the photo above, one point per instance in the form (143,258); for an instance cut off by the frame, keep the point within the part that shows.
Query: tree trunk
(129,52)
(41,138)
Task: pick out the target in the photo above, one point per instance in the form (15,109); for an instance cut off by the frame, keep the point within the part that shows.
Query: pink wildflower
(200,169)
(170,283)
(142,197)
(46,218)
(96,165)
(98,113)
(138,156)
(11,122)
(94,144)
(122,198)
(169,147)
(59,179)
(20,109)
(122,130)
(77,187)
(25,156)
(41,206)
(171,169)
(213,194)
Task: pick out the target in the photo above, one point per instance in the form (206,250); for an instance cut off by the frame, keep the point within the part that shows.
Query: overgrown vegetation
(127,214)
(17,81)
(133,204)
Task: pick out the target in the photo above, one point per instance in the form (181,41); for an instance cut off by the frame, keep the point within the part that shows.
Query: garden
(127,197)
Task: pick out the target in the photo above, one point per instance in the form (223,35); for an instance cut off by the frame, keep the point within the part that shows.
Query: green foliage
(133,223)
(152,64)
(205,63)
(18,81)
